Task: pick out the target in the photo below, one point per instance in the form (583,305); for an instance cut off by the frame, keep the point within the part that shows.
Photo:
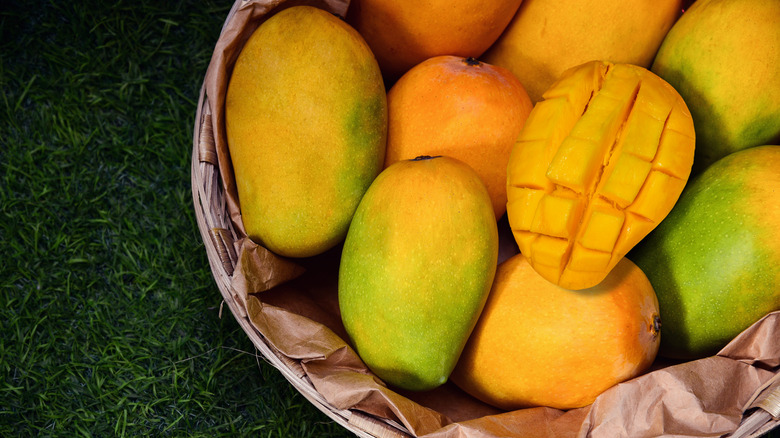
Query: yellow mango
(546,37)
(306,126)
(601,160)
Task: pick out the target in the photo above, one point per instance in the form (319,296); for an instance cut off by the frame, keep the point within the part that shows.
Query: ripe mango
(416,268)
(404,33)
(723,57)
(598,164)
(547,37)
(306,122)
(537,344)
(461,108)
(713,261)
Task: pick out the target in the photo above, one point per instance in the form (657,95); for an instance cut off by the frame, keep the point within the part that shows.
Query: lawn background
(110,316)
(110,320)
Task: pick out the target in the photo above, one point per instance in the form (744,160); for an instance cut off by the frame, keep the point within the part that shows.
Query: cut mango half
(601,160)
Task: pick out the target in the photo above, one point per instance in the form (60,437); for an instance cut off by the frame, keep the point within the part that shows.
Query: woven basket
(219,236)
(222,233)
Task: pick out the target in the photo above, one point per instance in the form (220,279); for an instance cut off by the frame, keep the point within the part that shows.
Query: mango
(723,57)
(461,108)
(416,268)
(404,33)
(713,261)
(306,124)
(598,164)
(537,344)
(547,37)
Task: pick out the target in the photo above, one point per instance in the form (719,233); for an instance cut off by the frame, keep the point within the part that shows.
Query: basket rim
(215,228)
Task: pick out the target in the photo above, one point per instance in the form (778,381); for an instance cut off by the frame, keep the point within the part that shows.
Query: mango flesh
(416,268)
(306,122)
(537,344)
(723,57)
(599,163)
(713,261)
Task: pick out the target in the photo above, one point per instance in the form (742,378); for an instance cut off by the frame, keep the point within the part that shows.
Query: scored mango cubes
(601,160)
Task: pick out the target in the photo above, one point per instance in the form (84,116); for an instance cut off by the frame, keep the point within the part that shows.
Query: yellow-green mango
(306,123)
(723,57)
(416,268)
(713,260)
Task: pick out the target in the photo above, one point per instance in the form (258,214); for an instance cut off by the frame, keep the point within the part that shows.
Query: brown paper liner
(289,309)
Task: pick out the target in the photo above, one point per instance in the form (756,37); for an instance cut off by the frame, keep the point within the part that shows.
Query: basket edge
(362,425)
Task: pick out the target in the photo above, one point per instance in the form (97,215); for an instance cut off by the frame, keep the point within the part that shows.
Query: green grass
(110,317)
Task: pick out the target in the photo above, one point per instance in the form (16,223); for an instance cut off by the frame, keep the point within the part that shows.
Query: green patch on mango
(306,124)
(416,268)
(723,57)
(713,260)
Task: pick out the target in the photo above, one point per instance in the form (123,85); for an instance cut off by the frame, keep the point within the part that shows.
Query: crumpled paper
(294,304)
(705,397)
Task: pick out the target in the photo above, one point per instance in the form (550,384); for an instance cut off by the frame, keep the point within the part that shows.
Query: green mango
(723,57)
(306,125)
(416,268)
(713,261)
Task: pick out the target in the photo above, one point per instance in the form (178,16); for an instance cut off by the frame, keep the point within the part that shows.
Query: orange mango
(404,33)
(462,108)
(537,344)
(599,163)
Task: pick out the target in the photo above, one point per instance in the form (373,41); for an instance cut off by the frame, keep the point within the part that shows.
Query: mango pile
(630,146)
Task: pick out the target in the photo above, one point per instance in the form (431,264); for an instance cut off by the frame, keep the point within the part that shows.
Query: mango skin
(547,37)
(416,269)
(723,57)
(306,122)
(713,260)
(538,344)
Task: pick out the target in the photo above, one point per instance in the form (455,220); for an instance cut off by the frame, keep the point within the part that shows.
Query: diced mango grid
(601,160)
